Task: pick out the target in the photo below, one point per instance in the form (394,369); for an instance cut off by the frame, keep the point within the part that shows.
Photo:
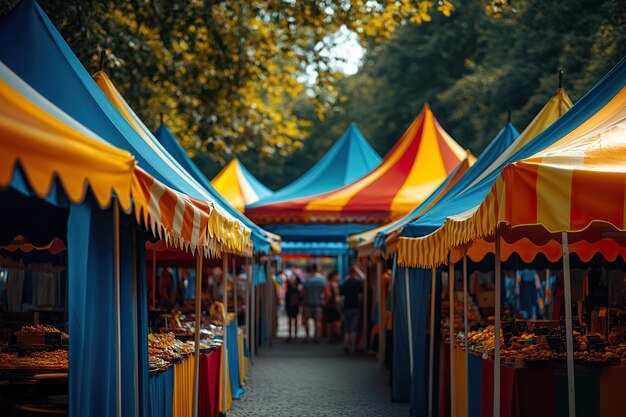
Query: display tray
(538,363)
(38,339)
(26,375)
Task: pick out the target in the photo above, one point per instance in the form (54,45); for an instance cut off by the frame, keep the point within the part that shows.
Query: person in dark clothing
(352,292)
(293,300)
(332,315)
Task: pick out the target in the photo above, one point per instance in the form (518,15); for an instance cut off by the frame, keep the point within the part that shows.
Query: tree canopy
(224,73)
(472,68)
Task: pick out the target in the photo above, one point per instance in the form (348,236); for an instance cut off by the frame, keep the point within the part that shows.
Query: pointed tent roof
(349,159)
(377,237)
(262,240)
(238,186)
(364,242)
(601,104)
(33,48)
(431,220)
(417,164)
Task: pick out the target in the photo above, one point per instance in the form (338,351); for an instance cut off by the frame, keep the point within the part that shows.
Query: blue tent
(351,158)
(496,147)
(347,160)
(260,238)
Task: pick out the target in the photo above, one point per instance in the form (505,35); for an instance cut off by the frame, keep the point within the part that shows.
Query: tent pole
(154,288)
(452,336)
(571,394)
(431,350)
(135,320)
(118,330)
(466,330)
(249,307)
(379,272)
(268,318)
(365,309)
(496,345)
(408,321)
(196,370)
(224,326)
(235,284)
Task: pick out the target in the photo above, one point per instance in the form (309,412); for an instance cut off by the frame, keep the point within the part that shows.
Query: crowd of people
(323,306)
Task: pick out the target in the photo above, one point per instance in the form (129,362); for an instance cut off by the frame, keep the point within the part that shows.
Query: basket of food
(38,335)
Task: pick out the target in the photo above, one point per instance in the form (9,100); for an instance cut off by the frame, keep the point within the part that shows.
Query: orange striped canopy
(578,185)
(183,221)
(417,164)
(47,144)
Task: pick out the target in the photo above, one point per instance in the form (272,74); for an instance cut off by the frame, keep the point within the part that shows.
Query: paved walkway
(310,379)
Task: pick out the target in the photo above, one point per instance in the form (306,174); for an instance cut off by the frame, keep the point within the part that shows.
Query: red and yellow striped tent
(418,163)
(576,185)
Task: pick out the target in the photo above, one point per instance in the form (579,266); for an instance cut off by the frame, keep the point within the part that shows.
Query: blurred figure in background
(314,284)
(352,292)
(293,300)
(332,315)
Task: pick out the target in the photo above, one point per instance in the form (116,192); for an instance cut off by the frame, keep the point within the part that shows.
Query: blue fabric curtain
(161,394)
(142,324)
(258,274)
(233,359)
(419,293)
(400,372)
(474,384)
(91,312)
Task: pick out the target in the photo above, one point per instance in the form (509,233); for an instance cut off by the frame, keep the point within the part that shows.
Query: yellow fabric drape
(224,369)
(243,368)
(183,388)
(460,381)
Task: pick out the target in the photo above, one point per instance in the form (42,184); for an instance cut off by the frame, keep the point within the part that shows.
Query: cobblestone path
(308,379)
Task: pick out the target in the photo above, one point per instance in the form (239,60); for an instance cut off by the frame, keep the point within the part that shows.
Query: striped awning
(46,143)
(181,217)
(363,243)
(238,186)
(577,184)
(418,163)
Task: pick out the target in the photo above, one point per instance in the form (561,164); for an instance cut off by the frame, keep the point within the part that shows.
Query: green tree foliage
(471,68)
(225,73)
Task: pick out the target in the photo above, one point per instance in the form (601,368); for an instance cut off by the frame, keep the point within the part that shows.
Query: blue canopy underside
(316,232)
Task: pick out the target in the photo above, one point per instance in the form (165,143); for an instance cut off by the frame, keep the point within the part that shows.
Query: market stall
(587,140)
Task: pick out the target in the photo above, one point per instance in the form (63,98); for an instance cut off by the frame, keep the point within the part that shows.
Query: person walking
(352,292)
(314,284)
(332,315)
(293,301)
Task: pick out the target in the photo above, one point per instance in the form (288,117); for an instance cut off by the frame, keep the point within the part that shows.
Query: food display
(56,359)
(39,335)
(39,328)
(527,347)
